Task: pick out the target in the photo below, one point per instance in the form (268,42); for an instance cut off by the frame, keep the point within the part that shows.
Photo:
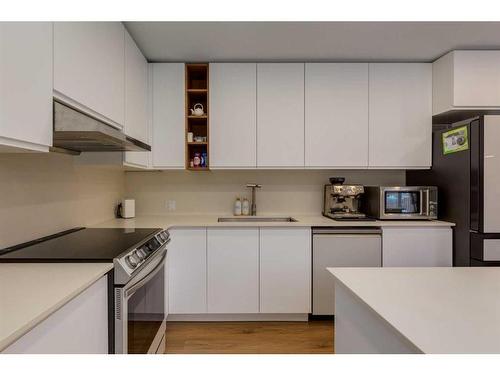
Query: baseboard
(237,317)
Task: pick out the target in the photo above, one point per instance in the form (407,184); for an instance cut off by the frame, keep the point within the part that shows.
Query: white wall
(297,192)
(41,194)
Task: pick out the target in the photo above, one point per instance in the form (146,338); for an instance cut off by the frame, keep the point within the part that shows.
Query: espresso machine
(342,202)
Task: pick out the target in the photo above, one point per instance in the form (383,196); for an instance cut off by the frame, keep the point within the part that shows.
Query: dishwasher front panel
(340,250)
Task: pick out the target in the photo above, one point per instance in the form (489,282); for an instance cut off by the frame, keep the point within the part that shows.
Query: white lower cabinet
(285,270)
(233,270)
(188,271)
(239,271)
(417,247)
(79,327)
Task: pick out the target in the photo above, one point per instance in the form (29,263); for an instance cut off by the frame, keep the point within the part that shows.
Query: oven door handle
(131,289)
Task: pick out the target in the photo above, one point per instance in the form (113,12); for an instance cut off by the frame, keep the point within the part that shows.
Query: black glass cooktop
(78,245)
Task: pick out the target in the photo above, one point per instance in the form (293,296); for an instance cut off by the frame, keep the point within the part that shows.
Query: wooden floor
(250,337)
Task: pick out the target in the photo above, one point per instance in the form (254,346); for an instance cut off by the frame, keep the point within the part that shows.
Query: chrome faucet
(254,201)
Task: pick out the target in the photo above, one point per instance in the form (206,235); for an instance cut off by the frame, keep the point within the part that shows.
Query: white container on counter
(237,207)
(245,207)
(128,208)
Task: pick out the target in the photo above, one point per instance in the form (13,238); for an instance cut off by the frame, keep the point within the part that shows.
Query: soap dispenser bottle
(245,207)
(237,207)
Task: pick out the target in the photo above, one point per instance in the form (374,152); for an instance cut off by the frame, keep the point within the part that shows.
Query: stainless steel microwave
(401,202)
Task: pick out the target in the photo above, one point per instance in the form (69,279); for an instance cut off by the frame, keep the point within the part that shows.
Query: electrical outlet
(170,205)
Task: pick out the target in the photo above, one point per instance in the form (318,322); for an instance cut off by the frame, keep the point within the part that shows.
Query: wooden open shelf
(197,84)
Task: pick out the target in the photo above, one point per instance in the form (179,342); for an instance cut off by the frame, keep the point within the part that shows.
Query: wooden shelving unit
(197,84)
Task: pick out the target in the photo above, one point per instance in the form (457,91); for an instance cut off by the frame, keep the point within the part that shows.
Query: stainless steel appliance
(139,295)
(469,193)
(76,132)
(401,202)
(136,297)
(340,247)
(342,202)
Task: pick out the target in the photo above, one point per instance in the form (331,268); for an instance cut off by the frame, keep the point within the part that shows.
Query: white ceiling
(309,41)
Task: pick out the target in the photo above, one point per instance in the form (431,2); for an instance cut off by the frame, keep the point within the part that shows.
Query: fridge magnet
(455,140)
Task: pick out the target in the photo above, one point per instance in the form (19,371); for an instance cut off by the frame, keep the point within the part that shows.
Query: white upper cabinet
(466,79)
(233,115)
(137,100)
(136,92)
(233,270)
(25,86)
(168,115)
(336,115)
(89,68)
(280,115)
(143,159)
(400,115)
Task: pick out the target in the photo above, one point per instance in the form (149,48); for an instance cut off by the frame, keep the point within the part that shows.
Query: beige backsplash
(290,191)
(41,194)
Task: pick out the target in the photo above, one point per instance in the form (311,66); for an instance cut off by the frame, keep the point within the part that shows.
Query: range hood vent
(79,132)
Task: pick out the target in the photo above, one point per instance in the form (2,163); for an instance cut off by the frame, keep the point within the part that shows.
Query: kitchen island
(417,310)
(54,307)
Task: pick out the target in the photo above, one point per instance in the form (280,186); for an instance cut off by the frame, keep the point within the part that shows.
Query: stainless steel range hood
(78,132)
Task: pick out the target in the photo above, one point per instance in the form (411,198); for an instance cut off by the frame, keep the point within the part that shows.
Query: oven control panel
(133,259)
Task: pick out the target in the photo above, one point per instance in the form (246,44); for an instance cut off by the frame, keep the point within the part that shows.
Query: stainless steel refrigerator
(466,170)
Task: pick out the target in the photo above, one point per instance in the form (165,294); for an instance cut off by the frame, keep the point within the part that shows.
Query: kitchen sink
(256,219)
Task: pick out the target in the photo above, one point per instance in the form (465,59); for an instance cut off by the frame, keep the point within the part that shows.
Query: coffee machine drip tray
(349,217)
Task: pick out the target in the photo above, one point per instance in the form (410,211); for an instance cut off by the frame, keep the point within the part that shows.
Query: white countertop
(30,292)
(171,221)
(439,310)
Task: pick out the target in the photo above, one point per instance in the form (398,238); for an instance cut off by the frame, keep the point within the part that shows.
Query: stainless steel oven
(401,202)
(140,311)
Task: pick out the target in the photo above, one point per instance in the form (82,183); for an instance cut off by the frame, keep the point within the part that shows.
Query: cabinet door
(168,115)
(491,174)
(89,68)
(280,115)
(417,247)
(26,85)
(78,327)
(340,250)
(285,270)
(476,78)
(188,271)
(137,100)
(136,92)
(233,115)
(336,112)
(400,107)
(233,270)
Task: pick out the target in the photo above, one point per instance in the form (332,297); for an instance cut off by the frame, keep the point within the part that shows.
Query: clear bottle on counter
(245,207)
(237,207)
